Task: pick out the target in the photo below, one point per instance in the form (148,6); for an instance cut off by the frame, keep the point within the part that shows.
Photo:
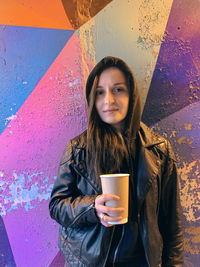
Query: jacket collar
(149,138)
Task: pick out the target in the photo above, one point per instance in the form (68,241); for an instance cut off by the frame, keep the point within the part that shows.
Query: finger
(106,224)
(101,199)
(110,210)
(101,216)
(107,220)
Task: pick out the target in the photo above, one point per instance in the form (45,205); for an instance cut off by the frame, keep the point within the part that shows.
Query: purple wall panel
(182,129)
(6,256)
(173,103)
(176,80)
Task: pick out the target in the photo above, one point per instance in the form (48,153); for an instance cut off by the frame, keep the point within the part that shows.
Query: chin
(111,122)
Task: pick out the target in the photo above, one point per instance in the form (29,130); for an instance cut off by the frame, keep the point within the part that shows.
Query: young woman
(117,141)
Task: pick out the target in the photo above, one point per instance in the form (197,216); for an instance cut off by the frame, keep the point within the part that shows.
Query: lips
(110,110)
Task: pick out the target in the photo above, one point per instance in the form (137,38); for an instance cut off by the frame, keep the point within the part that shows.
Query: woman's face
(112,97)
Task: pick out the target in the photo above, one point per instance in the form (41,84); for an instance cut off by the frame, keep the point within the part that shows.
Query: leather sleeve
(68,206)
(170,221)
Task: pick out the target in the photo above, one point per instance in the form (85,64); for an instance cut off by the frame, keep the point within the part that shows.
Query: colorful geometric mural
(182,129)
(47,49)
(26,54)
(176,79)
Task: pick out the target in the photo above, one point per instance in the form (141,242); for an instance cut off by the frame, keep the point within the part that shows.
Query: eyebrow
(113,84)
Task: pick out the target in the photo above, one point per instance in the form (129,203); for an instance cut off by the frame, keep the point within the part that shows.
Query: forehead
(112,75)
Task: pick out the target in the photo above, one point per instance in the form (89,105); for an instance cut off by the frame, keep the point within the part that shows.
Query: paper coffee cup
(117,184)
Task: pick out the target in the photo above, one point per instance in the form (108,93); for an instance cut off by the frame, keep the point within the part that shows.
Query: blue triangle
(6,258)
(26,53)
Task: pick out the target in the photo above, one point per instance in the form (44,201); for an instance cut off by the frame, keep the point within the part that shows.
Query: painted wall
(47,49)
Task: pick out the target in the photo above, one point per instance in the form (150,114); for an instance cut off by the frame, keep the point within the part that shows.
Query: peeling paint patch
(184,140)
(25,190)
(190,191)
(192,240)
(188,126)
(86,40)
(181,139)
(150,21)
(12,117)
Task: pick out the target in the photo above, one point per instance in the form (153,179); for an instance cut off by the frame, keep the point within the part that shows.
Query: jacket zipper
(139,227)
(138,213)
(123,228)
(116,251)
(109,246)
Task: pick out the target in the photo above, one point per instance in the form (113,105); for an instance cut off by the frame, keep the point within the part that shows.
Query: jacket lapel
(148,164)
(147,171)
(81,168)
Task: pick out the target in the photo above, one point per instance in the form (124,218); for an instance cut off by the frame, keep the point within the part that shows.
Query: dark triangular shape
(59,260)
(81,11)
(6,255)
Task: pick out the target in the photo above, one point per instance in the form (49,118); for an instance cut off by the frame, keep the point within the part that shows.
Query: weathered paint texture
(81,11)
(176,79)
(43,70)
(182,129)
(132,30)
(25,56)
(31,154)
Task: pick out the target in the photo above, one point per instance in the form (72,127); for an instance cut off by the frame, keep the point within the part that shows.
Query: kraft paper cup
(117,184)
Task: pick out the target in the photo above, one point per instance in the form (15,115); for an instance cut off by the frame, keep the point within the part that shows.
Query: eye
(118,89)
(99,92)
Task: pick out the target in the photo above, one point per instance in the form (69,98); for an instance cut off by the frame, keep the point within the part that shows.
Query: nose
(109,98)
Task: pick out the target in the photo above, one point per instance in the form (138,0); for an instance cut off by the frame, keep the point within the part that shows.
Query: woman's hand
(102,210)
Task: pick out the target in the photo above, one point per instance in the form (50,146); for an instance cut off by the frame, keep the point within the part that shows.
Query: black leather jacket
(84,241)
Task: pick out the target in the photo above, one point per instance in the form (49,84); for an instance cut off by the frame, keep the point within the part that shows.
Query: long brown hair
(108,147)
